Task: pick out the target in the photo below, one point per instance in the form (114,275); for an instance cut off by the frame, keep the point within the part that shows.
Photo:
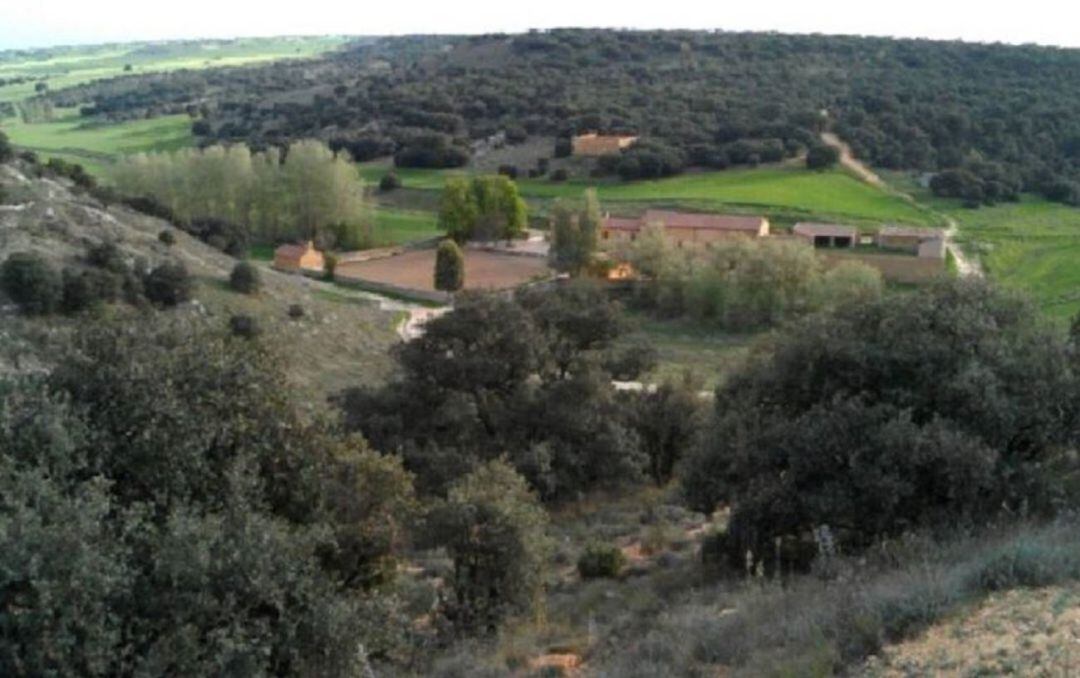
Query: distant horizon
(357,36)
(61,23)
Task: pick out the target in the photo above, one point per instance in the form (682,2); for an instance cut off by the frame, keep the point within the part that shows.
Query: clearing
(415,270)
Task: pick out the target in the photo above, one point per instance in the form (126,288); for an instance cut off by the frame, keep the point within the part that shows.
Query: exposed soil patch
(416,270)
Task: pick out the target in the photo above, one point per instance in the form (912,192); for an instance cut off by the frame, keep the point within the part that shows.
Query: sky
(40,23)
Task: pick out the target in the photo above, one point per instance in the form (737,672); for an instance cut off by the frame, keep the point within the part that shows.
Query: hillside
(340,341)
(1001,114)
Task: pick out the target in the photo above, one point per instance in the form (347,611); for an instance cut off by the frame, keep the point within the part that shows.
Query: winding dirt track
(965,266)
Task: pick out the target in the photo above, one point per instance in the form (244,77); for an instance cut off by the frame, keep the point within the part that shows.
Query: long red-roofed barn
(685,228)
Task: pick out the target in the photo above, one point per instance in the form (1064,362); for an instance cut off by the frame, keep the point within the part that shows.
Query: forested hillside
(1000,116)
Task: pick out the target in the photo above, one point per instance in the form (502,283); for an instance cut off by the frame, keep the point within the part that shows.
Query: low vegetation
(742,284)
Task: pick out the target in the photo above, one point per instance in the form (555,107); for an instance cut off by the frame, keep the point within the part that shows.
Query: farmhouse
(296,258)
(684,228)
(922,242)
(834,236)
(593,144)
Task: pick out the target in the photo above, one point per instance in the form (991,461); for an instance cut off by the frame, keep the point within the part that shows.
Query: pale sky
(35,23)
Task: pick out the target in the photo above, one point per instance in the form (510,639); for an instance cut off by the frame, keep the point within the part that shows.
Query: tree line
(304,192)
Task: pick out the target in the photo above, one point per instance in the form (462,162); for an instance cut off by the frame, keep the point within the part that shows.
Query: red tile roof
(622,224)
(291,251)
(720,222)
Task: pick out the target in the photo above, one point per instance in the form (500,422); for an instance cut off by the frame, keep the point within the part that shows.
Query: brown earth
(416,270)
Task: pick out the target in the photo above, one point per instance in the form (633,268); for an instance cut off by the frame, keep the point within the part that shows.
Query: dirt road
(965,266)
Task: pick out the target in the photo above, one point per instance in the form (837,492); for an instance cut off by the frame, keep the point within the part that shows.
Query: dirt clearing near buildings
(415,270)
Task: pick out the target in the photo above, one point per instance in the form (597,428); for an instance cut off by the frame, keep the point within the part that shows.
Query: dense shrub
(449,267)
(601,560)
(821,156)
(946,406)
(168,284)
(6,151)
(31,283)
(495,532)
(431,150)
(103,533)
(245,278)
(244,326)
(90,288)
(527,378)
(108,256)
(389,182)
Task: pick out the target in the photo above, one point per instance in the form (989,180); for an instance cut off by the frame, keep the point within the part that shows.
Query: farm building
(296,258)
(834,236)
(922,242)
(593,144)
(684,228)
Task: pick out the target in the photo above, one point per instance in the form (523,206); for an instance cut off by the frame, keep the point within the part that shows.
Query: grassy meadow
(96,145)
(785,193)
(69,66)
(1032,245)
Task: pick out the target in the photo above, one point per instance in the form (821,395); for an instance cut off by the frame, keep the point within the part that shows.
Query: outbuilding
(294,258)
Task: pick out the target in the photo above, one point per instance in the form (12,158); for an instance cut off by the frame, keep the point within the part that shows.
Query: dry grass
(1026,632)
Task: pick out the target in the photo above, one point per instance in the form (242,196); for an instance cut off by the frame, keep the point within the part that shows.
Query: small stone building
(922,242)
(593,144)
(832,236)
(295,258)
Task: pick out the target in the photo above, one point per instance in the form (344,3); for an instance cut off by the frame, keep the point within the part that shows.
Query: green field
(392,227)
(683,345)
(786,193)
(68,66)
(1032,245)
(95,145)
(396,226)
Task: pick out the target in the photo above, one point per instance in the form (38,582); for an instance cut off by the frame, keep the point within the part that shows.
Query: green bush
(168,284)
(821,156)
(449,267)
(601,560)
(31,283)
(87,289)
(245,278)
(389,182)
(6,151)
(107,255)
(244,326)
